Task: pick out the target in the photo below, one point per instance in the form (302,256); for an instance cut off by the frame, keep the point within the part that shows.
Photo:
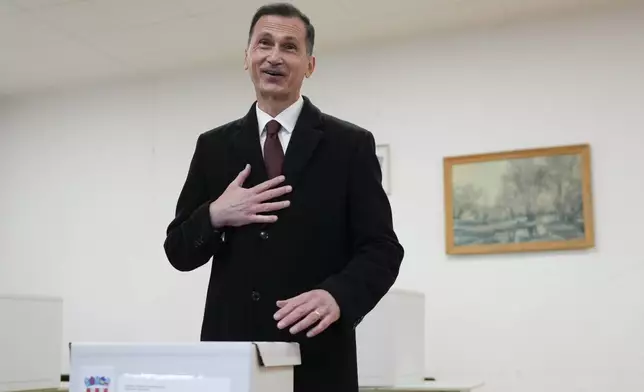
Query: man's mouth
(272,72)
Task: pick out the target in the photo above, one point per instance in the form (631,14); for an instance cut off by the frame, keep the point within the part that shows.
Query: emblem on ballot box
(97,384)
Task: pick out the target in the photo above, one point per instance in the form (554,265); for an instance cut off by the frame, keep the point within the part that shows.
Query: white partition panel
(391,341)
(30,342)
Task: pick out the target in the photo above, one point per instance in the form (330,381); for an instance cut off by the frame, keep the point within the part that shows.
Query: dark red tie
(273,152)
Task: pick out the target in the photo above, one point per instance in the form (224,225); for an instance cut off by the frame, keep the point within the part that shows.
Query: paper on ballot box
(171,383)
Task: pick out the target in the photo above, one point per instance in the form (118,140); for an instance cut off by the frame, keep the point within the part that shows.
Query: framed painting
(382,152)
(516,201)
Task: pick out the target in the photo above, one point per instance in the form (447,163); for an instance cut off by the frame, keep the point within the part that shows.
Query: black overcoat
(336,235)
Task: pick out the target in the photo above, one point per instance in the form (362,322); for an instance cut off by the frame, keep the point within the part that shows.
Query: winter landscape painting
(515,201)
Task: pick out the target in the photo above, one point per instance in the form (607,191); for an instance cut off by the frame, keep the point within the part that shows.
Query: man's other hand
(317,306)
(239,206)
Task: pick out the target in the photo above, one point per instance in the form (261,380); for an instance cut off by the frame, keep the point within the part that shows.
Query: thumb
(242,176)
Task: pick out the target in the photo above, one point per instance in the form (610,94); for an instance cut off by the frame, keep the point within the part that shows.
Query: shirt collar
(287,118)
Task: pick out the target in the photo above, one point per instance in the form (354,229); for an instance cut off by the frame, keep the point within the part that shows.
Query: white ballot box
(31,342)
(391,341)
(183,367)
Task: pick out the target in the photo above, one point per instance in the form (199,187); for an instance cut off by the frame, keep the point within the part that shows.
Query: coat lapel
(246,142)
(304,140)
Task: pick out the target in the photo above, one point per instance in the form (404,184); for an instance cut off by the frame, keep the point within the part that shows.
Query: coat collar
(287,118)
(304,140)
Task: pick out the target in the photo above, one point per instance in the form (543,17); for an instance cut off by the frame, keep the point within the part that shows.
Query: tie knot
(272,128)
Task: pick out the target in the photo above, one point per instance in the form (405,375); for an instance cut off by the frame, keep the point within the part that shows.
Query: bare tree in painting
(565,183)
(466,199)
(566,187)
(523,184)
(509,200)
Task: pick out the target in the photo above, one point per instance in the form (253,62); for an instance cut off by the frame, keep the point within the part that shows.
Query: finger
(242,176)
(263,219)
(267,207)
(288,305)
(297,314)
(285,311)
(321,327)
(298,298)
(272,193)
(272,183)
(305,323)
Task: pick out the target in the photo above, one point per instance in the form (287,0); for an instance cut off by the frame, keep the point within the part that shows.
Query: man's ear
(245,59)
(311,66)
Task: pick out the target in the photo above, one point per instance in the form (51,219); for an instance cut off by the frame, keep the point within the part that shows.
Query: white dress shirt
(287,118)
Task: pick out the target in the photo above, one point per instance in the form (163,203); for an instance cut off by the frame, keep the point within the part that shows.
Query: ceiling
(52,43)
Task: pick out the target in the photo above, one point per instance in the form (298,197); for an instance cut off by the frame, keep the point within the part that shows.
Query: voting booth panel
(183,367)
(30,342)
(391,341)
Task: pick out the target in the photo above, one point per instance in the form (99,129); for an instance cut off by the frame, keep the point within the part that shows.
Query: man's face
(277,56)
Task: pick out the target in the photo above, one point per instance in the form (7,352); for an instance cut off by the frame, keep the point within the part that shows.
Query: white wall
(90,178)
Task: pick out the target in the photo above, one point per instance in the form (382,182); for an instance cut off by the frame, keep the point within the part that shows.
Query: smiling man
(288,203)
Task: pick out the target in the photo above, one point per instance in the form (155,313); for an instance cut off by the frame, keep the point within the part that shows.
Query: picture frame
(519,201)
(383,154)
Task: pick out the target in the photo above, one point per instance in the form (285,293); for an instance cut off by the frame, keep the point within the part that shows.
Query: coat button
(255,296)
(263,235)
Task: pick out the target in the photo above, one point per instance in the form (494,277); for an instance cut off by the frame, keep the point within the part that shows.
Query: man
(289,204)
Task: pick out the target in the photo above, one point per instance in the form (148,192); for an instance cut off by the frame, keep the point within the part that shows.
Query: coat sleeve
(190,238)
(377,254)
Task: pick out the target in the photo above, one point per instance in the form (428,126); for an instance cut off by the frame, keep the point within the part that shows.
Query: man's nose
(274,57)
